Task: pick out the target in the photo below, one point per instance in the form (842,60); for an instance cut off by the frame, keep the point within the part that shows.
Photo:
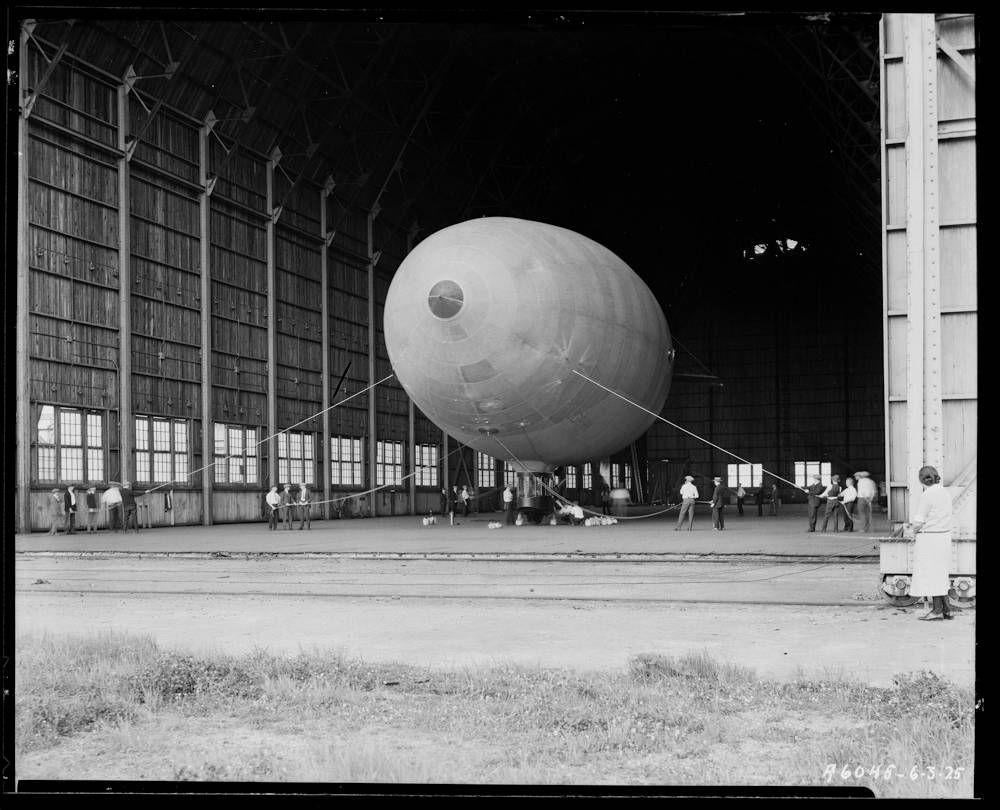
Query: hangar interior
(211,212)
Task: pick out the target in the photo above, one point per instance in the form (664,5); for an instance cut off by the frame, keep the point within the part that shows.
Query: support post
(371,359)
(207,435)
(325,339)
(272,332)
(412,419)
(923,343)
(23,389)
(125,416)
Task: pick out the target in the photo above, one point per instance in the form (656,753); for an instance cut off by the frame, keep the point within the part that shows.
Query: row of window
(70,447)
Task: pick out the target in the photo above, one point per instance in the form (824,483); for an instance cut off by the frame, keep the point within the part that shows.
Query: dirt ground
(457,613)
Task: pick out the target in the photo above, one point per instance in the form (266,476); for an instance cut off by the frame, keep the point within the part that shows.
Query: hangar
(210,213)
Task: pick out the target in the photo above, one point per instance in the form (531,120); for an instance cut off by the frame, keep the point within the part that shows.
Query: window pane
(95,464)
(161,467)
(220,439)
(307,446)
(142,466)
(236,470)
(251,470)
(47,463)
(69,428)
(47,426)
(180,467)
(334,449)
(71,464)
(283,471)
(758,475)
(180,437)
(358,479)
(161,434)
(295,445)
(94,430)
(236,441)
(251,441)
(221,471)
(141,435)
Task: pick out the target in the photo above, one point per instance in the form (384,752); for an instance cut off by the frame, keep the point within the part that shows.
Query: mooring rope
(268,438)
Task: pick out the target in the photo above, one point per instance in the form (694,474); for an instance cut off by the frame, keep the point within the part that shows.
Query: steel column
(412,418)
(272,333)
(23,385)
(371,360)
(923,390)
(207,435)
(325,339)
(125,417)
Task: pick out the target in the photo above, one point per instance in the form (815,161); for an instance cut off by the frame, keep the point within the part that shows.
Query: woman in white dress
(932,551)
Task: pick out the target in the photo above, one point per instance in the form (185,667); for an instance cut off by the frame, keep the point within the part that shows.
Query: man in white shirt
(689,494)
(932,526)
(849,498)
(508,504)
(867,492)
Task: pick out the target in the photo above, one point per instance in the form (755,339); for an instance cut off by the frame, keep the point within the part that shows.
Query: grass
(114,706)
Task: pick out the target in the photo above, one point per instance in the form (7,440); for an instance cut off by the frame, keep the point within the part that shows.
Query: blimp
(511,335)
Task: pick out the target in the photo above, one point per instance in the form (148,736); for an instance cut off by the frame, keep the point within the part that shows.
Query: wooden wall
(75,304)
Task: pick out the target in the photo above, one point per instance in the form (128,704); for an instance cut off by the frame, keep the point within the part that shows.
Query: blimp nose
(445,299)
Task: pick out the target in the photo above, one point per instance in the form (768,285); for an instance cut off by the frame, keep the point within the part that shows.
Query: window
(571,478)
(621,476)
(426,464)
(744,475)
(295,458)
(485,471)
(588,477)
(388,463)
(805,469)
(509,474)
(235,454)
(70,444)
(345,462)
(161,450)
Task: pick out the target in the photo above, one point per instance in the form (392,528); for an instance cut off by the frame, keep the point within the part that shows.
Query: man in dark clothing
(719,499)
(129,516)
(69,507)
(832,496)
(814,490)
(761,497)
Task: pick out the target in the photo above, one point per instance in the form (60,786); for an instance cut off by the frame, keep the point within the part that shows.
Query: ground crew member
(273,500)
(815,491)
(689,494)
(932,525)
(832,496)
(867,492)
(286,506)
(719,498)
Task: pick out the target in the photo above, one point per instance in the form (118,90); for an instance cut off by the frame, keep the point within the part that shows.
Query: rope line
(684,430)
(268,438)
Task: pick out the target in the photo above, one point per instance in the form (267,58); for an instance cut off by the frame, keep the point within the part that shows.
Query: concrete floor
(782,535)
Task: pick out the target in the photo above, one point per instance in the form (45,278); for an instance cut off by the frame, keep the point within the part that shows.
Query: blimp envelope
(486,322)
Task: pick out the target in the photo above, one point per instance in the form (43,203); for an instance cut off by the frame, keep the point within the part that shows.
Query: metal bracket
(330,237)
(276,213)
(210,185)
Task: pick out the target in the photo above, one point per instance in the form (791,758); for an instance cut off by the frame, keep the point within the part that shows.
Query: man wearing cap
(932,549)
(689,494)
(719,497)
(867,492)
(814,491)
(832,497)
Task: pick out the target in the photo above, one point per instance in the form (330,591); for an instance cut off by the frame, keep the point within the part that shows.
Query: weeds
(688,719)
